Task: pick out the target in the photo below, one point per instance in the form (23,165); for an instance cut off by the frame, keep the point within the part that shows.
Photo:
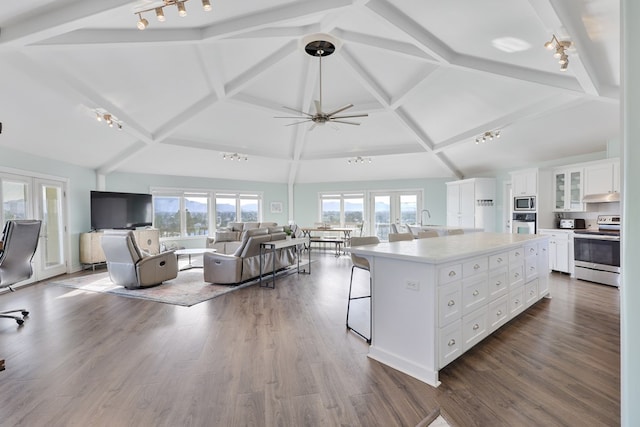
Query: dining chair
(455,231)
(397,237)
(424,234)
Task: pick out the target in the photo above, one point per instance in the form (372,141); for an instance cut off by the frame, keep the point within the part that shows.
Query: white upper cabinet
(602,178)
(525,182)
(567,190)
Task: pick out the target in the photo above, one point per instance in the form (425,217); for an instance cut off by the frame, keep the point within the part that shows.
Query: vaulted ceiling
(431,74)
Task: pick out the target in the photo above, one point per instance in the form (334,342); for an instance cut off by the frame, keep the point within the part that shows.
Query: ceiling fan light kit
(488,136)
(322,45)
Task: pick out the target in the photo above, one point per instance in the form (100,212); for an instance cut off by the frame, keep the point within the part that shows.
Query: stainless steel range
(597,252)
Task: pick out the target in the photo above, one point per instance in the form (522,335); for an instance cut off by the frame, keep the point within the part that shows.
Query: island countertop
(437,250)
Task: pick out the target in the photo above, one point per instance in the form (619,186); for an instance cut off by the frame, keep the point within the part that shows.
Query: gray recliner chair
(128,266)
(20,241)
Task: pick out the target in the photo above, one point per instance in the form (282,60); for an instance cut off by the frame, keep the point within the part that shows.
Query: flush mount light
(359,160)
(159,11)
(560,51)
(510,44)
(235,157)
(488,136)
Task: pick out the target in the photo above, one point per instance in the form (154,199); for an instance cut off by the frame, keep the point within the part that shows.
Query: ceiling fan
(321,48)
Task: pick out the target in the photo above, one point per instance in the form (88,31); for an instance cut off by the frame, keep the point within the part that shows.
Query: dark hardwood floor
(282,357)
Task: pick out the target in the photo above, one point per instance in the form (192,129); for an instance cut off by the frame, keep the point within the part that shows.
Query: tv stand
(91,254)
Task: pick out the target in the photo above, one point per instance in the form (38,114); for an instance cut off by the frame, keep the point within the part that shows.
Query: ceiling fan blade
(318,106)
(313,126)
(299,111)
(289,117)
(345,107)
(350,116)
(297,123)
(344,122)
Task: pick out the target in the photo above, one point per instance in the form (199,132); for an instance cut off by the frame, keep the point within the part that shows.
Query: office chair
(363,264)
(20,240)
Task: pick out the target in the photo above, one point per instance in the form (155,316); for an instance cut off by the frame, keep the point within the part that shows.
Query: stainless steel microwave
(527,203)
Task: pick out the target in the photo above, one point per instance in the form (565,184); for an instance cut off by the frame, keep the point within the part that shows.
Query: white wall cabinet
(471,203)
(602,178)
(525,182)
(567,190)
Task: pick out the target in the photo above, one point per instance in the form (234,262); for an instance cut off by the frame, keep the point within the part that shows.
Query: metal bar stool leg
(368,339)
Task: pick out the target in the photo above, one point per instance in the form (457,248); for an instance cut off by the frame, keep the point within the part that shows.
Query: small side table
(189,252)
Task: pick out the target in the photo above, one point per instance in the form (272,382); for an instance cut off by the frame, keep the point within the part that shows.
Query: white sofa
(228,239)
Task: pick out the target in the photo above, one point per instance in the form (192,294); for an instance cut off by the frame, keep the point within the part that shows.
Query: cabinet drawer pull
(452,273)
(475,267)
(499,313)
(516,302)
(451,342)
(531,292)
(517,254)
(476,327)
(531,250)
(516,275)
(476,293)
(498,283)
(451,303)
(499,259)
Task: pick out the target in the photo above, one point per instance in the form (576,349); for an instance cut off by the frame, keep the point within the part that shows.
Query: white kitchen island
(433,299)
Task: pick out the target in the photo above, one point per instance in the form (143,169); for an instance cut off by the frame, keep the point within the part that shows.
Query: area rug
(186,290)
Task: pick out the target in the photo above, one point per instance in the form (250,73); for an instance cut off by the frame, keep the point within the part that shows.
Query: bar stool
(363,264)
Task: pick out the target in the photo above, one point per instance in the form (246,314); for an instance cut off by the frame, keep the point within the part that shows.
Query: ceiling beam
(53,21)
(400,48)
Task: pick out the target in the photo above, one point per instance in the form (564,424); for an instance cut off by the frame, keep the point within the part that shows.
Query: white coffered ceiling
(426,71)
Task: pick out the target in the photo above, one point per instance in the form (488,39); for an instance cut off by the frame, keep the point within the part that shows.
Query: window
(179,213)
(342,209)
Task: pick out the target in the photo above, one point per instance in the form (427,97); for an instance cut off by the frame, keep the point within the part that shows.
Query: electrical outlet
(414,285)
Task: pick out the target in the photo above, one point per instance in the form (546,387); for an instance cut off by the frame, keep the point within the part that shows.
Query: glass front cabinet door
(568,190)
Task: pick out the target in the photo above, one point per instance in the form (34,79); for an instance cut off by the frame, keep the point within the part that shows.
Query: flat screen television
(120,210)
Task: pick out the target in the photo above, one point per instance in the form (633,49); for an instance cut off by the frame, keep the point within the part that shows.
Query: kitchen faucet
(422,215)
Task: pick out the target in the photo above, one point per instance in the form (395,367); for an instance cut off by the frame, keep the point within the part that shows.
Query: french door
(397,207)
(26,197)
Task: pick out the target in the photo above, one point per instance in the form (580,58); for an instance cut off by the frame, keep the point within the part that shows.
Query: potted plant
(288,231)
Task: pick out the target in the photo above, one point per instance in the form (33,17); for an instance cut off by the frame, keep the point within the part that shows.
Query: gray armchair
(130,267)
(20,240)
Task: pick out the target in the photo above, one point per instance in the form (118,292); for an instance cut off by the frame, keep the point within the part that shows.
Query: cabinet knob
(476,327)
(451,303)
(499,313)
(475,267)
(498,283)
(476,293)
(451,342)
(452,273)
(516,302)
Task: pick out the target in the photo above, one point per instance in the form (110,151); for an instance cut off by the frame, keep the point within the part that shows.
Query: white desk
(189,252)
(280,244)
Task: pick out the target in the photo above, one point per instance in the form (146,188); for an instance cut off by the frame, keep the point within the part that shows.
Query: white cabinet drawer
(474,328)
(474,293)
(516,301)
(449,303)
(475,266)
(449,343)
(531,250)
(498,313)
(531,292)
(531,268)
(498,260)
(516,255)
(516,275)
(449,273)
(498,283)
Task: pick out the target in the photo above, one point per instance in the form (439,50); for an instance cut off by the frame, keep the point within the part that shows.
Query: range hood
(602,198)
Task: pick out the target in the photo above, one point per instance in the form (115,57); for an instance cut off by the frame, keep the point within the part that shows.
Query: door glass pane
(560,191)
(408,209)
(52,228)
(225,211)
(576,197)
(249,210)
(166,215)
(197,215)
(331,211)
(14,200)
(382,216)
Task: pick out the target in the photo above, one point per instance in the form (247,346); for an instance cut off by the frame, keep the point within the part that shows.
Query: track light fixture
(359,160)
(488,136)
(109,119)
(235,156)
(560,51)
(159,11)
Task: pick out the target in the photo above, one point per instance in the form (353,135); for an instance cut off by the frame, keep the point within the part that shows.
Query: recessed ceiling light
(510,44)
